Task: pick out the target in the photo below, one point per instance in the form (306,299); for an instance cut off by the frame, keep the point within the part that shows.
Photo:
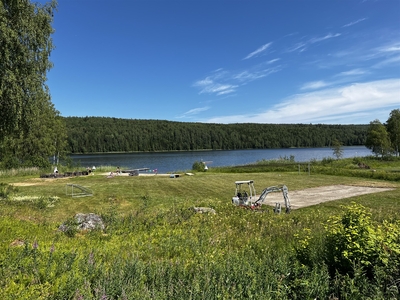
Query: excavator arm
(272,189)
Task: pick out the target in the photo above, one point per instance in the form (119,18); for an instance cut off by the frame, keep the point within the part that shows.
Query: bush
(6,190)
(10,162)
(37,161)
(198,166)
(353,240)
(362,257)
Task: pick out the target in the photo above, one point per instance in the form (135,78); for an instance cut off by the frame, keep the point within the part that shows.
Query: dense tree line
(101,134)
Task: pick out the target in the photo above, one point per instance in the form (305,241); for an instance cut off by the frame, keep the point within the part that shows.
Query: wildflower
(35,244)
(104,297)
(78,295)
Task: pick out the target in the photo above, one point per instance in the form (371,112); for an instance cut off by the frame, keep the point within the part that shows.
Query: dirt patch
(25,183)
(37,181)
(313,196)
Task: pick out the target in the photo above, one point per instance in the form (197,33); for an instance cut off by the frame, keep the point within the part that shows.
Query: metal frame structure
(83,191)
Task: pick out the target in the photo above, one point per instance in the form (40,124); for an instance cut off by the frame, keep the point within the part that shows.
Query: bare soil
(313,196)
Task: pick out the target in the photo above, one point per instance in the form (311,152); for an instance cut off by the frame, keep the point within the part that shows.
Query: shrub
(198,166)
(354,240)
(6,190)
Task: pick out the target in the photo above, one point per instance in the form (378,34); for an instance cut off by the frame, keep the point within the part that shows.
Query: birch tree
(28,119)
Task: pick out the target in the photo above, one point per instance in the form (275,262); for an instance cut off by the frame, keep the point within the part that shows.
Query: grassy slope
(157,225)
(161,193)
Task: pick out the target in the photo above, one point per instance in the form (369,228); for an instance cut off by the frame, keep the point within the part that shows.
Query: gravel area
(313,196)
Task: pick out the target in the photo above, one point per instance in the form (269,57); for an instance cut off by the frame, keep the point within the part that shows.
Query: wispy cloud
(354,23)
(353,72)
(209,86)
(394,47)
(302,46)
(314,85)
(323,38)
(194,111)
(333,105)
(273,60)
(337,79)
(258,51)
(389,61)
(247,76)
(222,82)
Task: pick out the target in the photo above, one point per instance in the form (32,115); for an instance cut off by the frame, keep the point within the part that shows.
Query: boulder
(89,221)
(85,222)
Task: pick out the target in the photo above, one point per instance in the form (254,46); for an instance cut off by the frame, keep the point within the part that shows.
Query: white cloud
(249,76)
(194,111)
(208,86)
(273,60)
(394,48)
(323,38)
(314,85)
(222,82)
(351,104)
(355,22)
(302,46)
(258,51)
(353,72)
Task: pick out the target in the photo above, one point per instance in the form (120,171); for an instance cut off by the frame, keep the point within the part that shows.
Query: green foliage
(70,227)
(354,240)
(378,139)
(30,129)
(326,161)
(44,202)
(198,166)
(34,171)
(10,162)
(96,134)
(360,255)
(337,149)
(393,128)
(39,202)
(6,190)
(156,247)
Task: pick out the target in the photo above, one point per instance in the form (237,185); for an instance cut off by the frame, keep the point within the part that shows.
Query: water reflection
(179,161)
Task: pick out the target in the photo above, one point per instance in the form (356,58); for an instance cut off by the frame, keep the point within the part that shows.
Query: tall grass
(155,246)
(19,172)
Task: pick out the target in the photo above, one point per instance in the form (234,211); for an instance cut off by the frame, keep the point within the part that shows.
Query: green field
(155,246)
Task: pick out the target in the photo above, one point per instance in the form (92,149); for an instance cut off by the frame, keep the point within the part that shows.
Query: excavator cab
(245,193)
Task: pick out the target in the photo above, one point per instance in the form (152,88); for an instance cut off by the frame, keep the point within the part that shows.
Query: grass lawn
(150,228)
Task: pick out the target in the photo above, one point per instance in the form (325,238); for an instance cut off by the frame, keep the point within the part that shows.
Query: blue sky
(227,61)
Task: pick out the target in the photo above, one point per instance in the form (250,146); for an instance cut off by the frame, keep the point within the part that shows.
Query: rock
(89,221)
(84,222)
(363,166)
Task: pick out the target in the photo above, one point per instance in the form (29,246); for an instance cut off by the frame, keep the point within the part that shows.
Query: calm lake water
(166,162)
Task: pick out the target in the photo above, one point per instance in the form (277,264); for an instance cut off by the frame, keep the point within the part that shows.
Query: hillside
(101,134)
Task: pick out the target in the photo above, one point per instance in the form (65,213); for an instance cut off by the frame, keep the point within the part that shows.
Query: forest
(105,134)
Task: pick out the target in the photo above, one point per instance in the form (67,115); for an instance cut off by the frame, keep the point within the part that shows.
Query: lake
(166,162)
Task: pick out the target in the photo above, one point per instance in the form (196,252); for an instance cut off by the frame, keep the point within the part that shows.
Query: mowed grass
(158,193)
